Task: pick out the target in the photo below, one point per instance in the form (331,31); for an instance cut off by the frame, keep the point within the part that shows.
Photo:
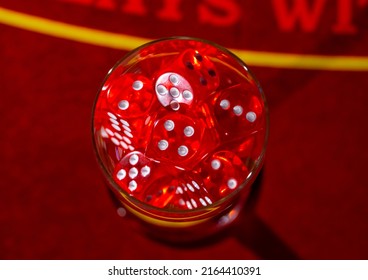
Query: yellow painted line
(127,42)
(69,31)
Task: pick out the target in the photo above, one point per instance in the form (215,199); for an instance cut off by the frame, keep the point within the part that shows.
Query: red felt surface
(312,200)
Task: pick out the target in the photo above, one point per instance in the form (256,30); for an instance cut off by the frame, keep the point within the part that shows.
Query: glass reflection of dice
(180,128)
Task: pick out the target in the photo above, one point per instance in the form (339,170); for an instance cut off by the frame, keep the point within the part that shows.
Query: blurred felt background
(312,200)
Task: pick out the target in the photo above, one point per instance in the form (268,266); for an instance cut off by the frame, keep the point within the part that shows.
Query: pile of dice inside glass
(179,124)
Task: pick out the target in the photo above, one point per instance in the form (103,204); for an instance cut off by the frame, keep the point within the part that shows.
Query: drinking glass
(180,127)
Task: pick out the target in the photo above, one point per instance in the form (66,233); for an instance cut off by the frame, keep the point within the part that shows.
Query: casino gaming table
(311,58)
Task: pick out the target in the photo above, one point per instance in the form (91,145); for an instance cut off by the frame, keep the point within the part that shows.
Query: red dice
(183,191)
(129,95)
(238,112)
(133,172)
(177,139)
(200,70)
(180,124)
(223,172)
(173,89)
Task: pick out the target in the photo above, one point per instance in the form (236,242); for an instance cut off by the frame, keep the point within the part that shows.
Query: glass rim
(253,173)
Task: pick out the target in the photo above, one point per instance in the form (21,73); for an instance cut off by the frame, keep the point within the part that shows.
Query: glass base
(200,233)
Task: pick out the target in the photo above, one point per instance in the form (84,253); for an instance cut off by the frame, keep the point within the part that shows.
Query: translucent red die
(180,128)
